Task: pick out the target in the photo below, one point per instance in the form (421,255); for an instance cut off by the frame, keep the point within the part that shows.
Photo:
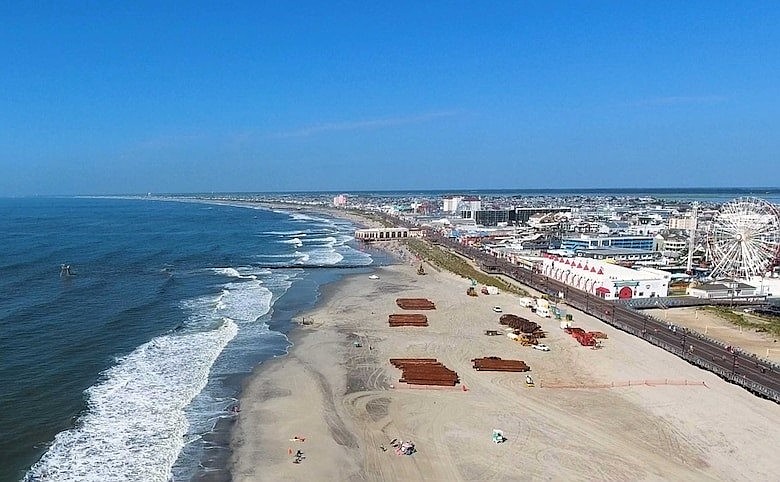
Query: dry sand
(339,398)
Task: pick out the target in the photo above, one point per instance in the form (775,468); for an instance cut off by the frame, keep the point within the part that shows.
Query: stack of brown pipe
(408,320)
(415,304)
(518,323)
(424,371)
(495,364)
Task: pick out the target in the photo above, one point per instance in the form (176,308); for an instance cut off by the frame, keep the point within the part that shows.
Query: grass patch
(372,217)
(751,322)
(454,263)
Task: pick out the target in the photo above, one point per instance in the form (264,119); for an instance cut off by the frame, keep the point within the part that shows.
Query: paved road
(757,375)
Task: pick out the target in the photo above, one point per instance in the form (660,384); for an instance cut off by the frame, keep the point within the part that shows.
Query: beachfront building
(723,289)
(590,241)
(386,234)
(620,255)
(340,201)
(606,280)
(498,217)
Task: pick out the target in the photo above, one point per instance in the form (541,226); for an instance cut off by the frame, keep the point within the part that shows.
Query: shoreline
(338,397)
(215,462)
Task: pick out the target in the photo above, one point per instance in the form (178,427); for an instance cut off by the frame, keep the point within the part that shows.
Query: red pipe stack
(518,323)
(582,336)
(415,304)
(496,364)
(408,320)
(425,371)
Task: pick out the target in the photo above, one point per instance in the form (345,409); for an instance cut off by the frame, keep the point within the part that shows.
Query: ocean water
(126,369)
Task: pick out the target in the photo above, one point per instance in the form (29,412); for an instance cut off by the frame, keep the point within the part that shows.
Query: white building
(606,280)
(646,229)
(340,201)
(386,234)
(684,223)
(724,289)
(469,203)
(450,203)
(671,242)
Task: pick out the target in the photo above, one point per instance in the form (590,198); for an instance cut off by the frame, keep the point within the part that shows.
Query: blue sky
(131,97)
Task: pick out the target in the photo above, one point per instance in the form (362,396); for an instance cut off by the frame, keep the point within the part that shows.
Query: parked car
(497,309)
(541,347)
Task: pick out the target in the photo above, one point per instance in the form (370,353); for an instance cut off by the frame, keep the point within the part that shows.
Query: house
(723,289)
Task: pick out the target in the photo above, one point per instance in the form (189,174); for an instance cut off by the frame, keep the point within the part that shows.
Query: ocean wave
(355,257)
(244,302)
(280,255)
(327,240)
(302,232)
(321,257)
(302,257)
(303,217)
(293,241)
(233,273)
(249,273)
(135,423)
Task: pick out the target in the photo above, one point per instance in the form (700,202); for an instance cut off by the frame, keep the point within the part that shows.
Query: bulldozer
(471,291)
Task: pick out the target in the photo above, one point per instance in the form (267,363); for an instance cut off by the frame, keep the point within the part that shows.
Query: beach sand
(339,398)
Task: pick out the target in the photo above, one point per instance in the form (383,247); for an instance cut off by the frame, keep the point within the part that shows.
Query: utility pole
(692,237)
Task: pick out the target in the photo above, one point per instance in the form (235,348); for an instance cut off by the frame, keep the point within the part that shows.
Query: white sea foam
(328,240)
(235,273)
(244,301)
(303,217)
(282,255)
(322,256)
(294,241)
(302,257)
(228,272)
(135,424)
(345,238)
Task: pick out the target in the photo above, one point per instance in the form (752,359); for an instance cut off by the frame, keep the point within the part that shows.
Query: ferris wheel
(744,238)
